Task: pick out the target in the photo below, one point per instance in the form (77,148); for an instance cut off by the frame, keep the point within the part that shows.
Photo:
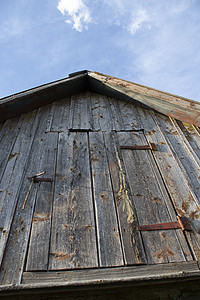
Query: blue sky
(151,42)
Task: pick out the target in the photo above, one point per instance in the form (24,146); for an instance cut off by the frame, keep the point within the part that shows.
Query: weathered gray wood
(185,156)
(13,261)
(80,113)
(129,116)
(192,135)
(1,125)
(13,176)
(128,222)
(101,113)
(38,252)
(61,115)
(73,240)
(116,115)
(160,246)
(122,274)
(110,252)
(184,199)
(8,135)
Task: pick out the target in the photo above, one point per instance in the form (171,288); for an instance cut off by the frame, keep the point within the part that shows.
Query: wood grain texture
(101,113)
(38,251)
(14,174)
(110,252)
(192,135)
(80,113)
(160,246)
(73,240)
(118,124)
(128,221)
(183,198)
(8,135)
(14,258)
(186,158)
(122,274)
(129,116)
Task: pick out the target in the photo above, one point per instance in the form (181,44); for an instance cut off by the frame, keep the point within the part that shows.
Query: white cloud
(79,13)
(137,21)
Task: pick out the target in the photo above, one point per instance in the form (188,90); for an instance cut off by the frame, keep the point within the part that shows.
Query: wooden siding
(87,217)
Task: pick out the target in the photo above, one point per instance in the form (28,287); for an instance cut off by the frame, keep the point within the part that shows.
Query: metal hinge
(35,179)
(182,223)
(150,146)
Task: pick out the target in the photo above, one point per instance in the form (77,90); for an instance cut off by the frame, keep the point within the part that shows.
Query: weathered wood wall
(87,217)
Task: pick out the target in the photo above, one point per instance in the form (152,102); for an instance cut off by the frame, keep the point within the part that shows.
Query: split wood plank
(73,237)
(129,116)
(101,113)
(13,175)
(14,258)
(122,274)
(38,251)
(160,246)
(80,113)
(185,156)
(131,239)
(109,244)
(184,199)
(8,135)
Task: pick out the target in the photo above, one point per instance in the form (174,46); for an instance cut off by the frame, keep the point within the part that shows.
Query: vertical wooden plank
(38,252)
(116,116)
(185,156)
(109,244)
(101,113)
(14,259)
(73,240)
(192,136)
(161,246)
(184,199)
(129,116)
(8,135)
(13,175)
(79,112)
(61,115)
(131,239)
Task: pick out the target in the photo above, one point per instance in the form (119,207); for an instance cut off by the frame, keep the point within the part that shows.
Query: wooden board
(160,246)
(185,156)
(38,251)
(128,222)
(191,134)
(13,262)
(8,135)
(135,273)
(118,124)
(183,198)
(73,237)
(58,119)
(101,113)
(109,244)
(129,116)
(14,175)
(80,113)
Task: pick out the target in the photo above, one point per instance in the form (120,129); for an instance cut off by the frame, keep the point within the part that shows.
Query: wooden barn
(99,192)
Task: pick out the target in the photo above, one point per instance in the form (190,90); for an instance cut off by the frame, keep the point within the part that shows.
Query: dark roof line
(168,104)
